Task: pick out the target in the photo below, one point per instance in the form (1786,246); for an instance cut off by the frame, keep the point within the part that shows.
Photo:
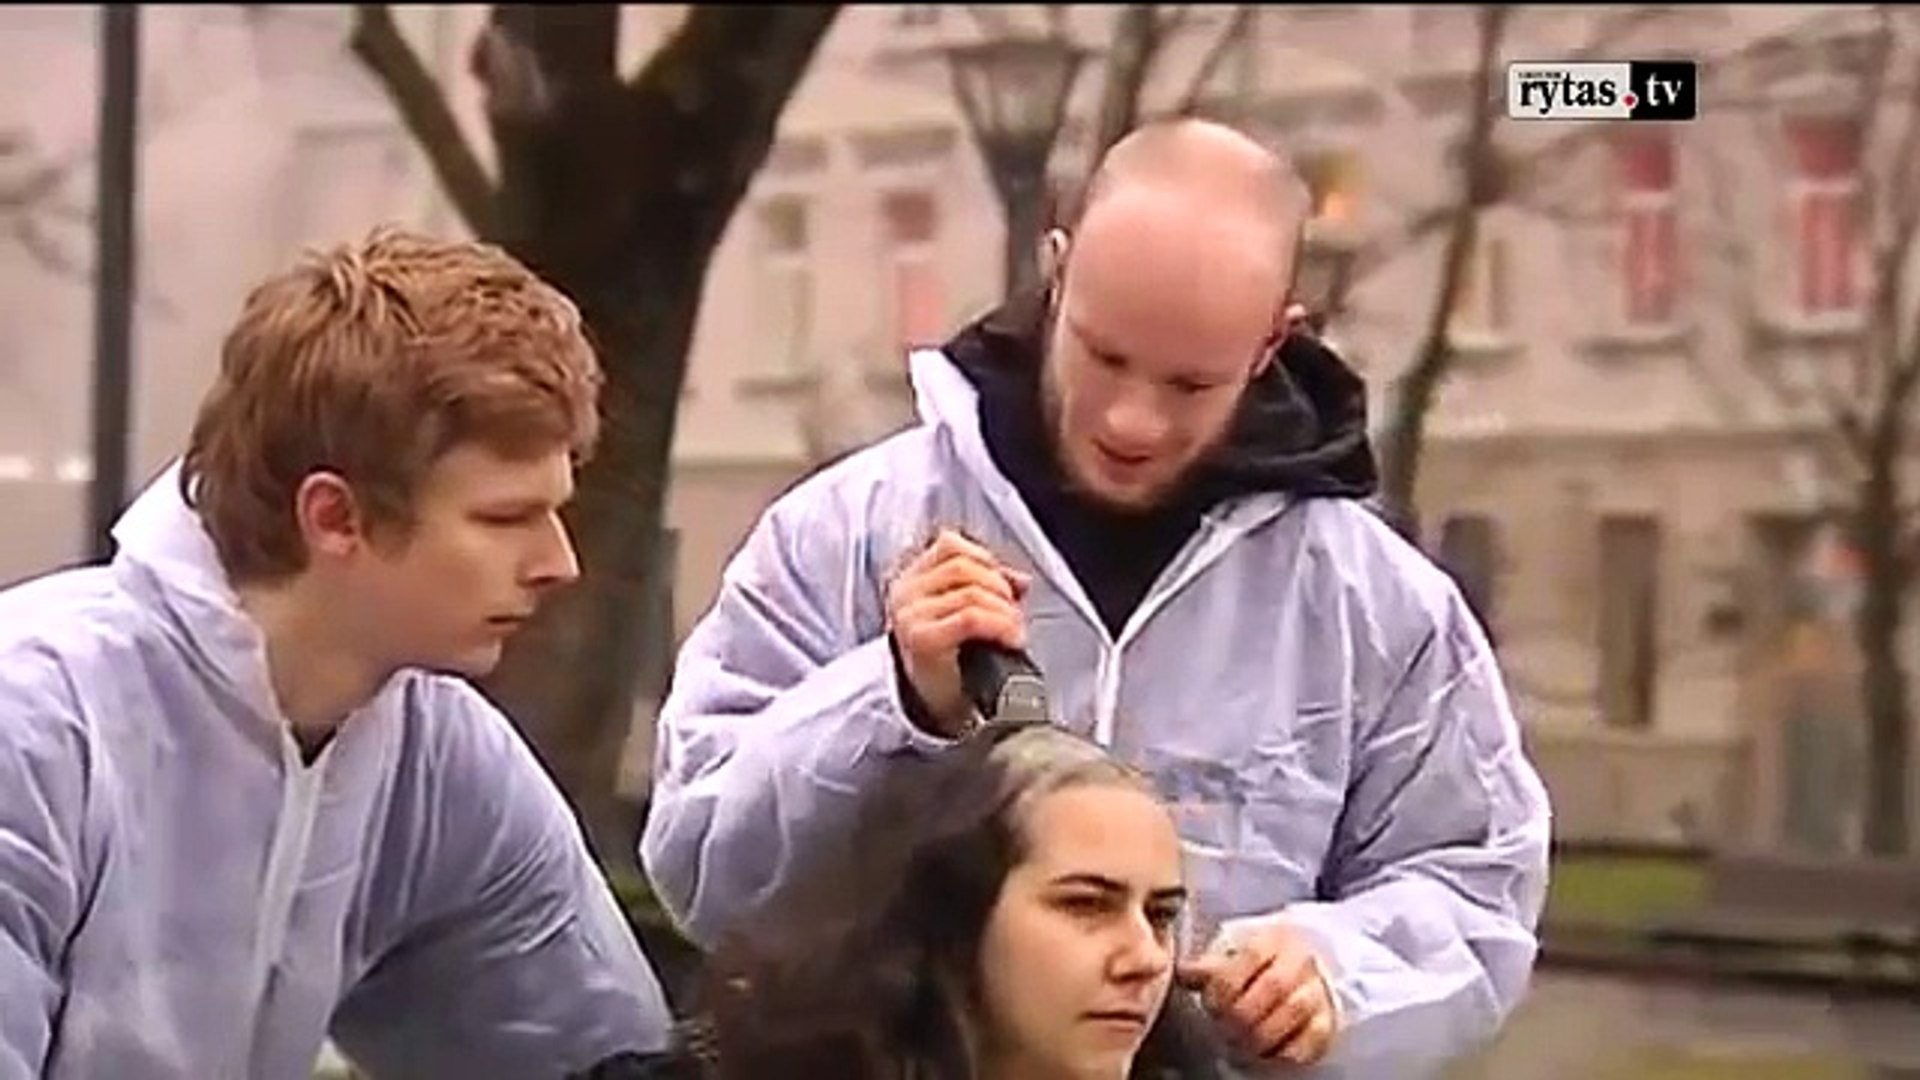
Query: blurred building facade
(1629,508)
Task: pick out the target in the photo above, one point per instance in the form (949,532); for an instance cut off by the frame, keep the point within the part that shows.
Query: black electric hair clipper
(1004,684)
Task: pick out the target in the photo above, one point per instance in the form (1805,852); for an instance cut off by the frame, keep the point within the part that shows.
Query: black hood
(1300,429)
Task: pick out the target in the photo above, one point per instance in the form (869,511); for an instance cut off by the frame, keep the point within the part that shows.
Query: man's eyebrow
(519,504)
(1092,341)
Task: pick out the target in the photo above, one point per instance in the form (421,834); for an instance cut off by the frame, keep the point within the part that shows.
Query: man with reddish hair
(247,799)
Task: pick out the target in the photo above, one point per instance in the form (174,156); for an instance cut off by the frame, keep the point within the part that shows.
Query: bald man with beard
(1147,478)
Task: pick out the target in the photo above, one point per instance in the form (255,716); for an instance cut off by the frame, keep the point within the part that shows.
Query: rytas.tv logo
(1603,90)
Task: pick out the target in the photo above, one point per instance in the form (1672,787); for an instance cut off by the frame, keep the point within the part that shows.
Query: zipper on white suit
(1106,697)
(300,791)
(1212,543)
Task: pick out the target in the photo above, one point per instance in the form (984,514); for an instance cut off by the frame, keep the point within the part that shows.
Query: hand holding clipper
(953,594)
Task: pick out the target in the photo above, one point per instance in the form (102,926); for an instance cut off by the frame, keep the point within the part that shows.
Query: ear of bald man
(1052,253)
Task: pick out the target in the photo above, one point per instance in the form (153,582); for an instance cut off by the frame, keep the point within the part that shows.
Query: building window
(1644,171)
(1483,306)
(784,291)
(1629,620)
(912,231)
(1470,553)
(1825,191)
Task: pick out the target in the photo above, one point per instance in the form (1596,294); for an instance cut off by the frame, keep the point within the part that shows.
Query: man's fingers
(952,542)
(948,564)
(1269,995)
(1313,1041)
(964,598)
(954,591)
(1257,1012)
(940,623)
(973,624)
(1288,1004)
(1228,974)
(959,573)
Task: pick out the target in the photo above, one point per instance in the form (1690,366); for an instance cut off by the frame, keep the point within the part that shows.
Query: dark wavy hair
(872,972)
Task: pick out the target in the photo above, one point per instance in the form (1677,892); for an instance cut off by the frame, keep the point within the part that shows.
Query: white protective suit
(182,899)
(1313,696)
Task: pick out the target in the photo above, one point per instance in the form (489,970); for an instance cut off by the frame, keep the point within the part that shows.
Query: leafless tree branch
(1882,369)
(1137,37)
(34,186)
(1415,389)
(1732,246)
(33,200)
(1891,343)
(1519,172)
(1872,352)
(423,109)
(45,250)
(1605,42)
(1233,33)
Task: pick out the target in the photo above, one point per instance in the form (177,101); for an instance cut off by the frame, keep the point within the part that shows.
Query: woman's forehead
(1111,829)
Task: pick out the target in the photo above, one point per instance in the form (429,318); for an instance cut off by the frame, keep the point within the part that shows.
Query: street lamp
(1013,93)
(114,285)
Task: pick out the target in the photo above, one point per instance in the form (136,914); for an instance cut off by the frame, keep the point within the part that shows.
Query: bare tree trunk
(1891,356)
(1415,390)
(1413,396)
(1136,41)
(1867,404)
(571,680)
(617,190)
(1885,542)
(1240,34)
(1877,627)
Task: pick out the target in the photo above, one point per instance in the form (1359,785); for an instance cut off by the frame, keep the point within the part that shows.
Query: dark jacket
(1301,428)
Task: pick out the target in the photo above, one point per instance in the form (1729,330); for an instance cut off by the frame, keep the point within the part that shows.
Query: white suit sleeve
(42,795)
(514,959)
(1438,872)
(784,696)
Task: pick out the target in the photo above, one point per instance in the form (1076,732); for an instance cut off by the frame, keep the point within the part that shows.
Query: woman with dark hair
(1008,910)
